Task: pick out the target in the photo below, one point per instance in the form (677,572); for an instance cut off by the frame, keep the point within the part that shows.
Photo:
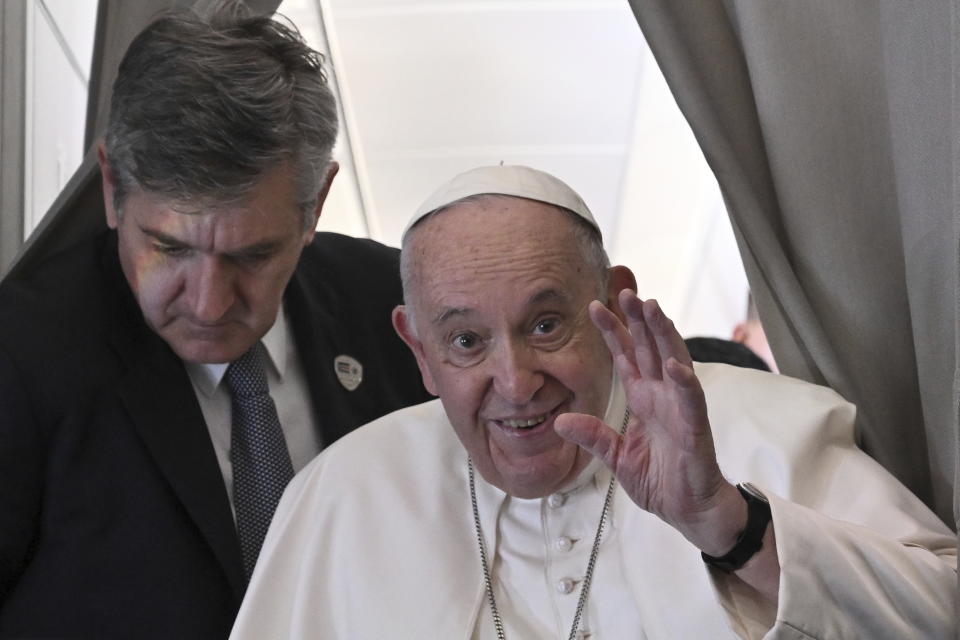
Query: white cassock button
(556,500)
(565,585)
(563,543)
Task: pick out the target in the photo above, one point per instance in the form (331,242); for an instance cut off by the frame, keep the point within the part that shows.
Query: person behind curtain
(708,349)
(750,333)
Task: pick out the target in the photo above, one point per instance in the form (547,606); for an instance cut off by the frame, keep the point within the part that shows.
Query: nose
(517,375)
(210,290)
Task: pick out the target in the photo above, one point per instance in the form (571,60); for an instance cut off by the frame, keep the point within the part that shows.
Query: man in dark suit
(125,502)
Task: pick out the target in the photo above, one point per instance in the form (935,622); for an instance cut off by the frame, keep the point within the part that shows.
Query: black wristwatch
(751,540)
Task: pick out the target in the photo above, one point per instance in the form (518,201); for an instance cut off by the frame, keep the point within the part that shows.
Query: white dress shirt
(543,550)
(288,388)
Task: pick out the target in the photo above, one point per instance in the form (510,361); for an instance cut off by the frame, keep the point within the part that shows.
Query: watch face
(753,491)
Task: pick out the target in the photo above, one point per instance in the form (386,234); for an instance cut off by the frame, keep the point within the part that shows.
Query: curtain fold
(828,126)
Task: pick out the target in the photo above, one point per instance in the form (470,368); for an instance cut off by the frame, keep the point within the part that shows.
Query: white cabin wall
(432,88)
(58,56)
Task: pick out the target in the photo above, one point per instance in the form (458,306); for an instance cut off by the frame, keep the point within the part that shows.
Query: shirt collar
(276,343)
(207,377)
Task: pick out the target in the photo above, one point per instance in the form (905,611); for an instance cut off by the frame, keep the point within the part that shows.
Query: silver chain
(591,564)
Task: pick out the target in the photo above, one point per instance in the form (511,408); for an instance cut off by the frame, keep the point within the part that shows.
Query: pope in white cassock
(577,476)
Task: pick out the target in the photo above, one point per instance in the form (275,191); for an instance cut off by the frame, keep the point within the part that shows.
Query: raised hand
(665,460)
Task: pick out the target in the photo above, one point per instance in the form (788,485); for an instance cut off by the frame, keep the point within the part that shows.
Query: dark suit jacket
(114,518)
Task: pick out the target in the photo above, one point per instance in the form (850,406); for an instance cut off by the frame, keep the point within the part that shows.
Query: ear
(107,177)
(402,325)
(740,333)
(332,170)
(618,279)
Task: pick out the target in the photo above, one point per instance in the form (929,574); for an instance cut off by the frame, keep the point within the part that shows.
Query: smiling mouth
(524,424)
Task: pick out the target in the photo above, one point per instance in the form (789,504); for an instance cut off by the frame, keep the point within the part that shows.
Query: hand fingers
(617,338)
(592,434)
(648,340)
(667,338)
(645,348)
(692,405)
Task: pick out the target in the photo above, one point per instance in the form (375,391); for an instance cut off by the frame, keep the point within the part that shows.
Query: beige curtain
(832,130)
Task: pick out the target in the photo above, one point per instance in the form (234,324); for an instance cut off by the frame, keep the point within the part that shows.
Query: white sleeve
(843,580)
(860,556)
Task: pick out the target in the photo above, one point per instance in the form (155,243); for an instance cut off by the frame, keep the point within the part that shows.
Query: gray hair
(204,106)
(587,238)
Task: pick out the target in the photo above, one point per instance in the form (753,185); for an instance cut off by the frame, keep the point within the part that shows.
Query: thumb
(591,433)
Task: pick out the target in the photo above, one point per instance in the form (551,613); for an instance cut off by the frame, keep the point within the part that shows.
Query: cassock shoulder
(796,439)
(747,405)
(376,518)
(396,450)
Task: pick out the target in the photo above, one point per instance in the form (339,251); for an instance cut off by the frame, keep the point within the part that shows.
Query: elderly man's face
(503,336)
(210,283)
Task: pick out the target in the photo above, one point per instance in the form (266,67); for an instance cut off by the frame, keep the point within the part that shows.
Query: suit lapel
(162,405)
(315,333)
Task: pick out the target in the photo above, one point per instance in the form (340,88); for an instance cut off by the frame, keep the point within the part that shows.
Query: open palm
(665,460)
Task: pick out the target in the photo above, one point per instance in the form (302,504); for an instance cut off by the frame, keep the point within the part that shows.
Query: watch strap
(751,539)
